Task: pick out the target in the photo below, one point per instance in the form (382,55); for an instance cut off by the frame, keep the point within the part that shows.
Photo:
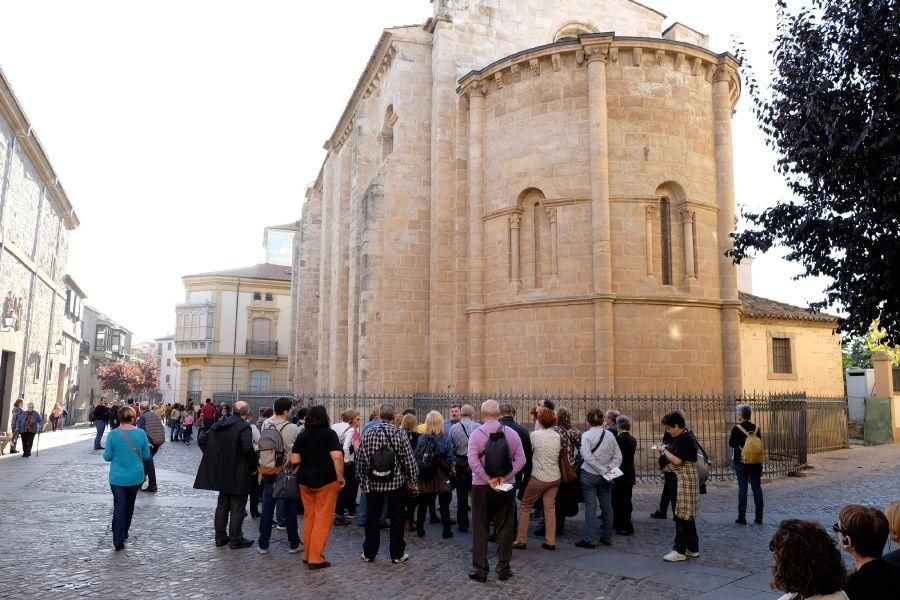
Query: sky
(180,129)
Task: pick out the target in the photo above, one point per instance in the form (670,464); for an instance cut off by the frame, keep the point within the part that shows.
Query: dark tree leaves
(833,120)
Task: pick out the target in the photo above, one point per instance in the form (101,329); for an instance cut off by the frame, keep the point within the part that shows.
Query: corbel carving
(614,55)
(498,78)
(535,65)
(515,75)
(556,61)
(687,215)
(636,56)
(710,72)
(679,60)
(579,56)
(695,66)
(551,213)
(660,55)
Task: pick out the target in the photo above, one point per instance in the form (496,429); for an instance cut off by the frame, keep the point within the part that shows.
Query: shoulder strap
(133,447)
(465,431)
(600,441)
(747,433)
(699,445)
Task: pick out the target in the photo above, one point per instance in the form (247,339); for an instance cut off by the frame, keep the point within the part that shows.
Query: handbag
(286,486)
(566,472)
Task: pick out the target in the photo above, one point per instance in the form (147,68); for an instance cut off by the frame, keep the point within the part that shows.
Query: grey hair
(467,410)
(145,405)
(744,410)
(242,409)
(490,409)
(623,422)
(612,413)
(387,412)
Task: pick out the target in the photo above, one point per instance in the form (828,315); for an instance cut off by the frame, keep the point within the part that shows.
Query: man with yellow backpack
(749,455)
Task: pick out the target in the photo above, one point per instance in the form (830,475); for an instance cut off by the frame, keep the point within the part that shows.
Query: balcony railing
(193,347)
(255,348)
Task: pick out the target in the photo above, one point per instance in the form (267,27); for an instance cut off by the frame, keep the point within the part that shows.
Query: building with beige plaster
(526,195)
(232,331)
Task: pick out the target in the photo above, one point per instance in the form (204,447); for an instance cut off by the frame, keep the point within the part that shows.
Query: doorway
(7,360)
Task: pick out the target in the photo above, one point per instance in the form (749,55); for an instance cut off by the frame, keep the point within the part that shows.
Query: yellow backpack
(753,452)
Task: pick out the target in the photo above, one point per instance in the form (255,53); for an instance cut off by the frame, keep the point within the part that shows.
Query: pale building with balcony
(103,341)
(169,369)
(278,242)
(232,331)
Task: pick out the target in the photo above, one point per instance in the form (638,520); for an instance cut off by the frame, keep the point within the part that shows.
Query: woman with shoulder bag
(437,462)
(569,495)
(545,479)
(126,450)
(681,454)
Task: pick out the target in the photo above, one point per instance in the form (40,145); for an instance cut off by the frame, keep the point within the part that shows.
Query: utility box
(860,385)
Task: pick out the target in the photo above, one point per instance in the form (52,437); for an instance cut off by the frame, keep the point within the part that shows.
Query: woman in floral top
(569,494)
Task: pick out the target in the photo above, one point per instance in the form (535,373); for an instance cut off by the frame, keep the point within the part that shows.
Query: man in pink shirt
(492,466)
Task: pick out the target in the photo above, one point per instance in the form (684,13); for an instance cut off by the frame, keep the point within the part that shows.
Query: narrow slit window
(665,227)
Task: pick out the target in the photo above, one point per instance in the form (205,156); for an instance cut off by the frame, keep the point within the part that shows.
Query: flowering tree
(126,378)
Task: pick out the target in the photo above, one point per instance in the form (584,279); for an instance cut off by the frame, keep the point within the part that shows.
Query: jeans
(594,487)
(101,427)
(363,509)
(176,431)
(749,474)
(150,468)
(686,536)
(230,513)
(123,510)
(396,504)
(499,507)
(186,434)
(267,513)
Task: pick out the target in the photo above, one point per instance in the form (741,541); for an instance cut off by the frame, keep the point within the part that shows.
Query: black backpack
(497,461)
(383,463)
(426,458)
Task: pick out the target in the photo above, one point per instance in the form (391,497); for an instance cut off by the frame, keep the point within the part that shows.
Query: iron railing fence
(256,348)
(793,425)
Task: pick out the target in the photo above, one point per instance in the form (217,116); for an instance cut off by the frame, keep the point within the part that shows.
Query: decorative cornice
(600,297)
(508,210)
(12,112)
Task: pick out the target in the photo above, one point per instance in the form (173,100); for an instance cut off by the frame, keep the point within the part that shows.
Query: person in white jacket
(348,434)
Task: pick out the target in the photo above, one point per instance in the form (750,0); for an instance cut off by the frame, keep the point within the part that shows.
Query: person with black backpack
(495,456)
(436,460)
(386,467)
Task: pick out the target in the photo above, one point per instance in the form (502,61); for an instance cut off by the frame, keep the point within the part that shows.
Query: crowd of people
(26,423)
(394,472)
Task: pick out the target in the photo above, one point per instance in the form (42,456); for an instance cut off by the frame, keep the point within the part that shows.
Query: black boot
(742,518)
(759,515)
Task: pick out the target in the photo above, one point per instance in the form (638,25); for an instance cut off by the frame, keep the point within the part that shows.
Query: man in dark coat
(623,485)
(508,419)
(228,460)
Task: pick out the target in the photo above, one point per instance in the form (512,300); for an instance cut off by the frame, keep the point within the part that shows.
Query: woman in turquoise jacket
(126,449)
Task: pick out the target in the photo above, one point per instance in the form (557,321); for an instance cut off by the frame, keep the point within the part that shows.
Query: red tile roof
(261,271)
(759,307)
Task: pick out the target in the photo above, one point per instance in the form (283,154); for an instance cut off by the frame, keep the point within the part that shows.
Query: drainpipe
(237,300)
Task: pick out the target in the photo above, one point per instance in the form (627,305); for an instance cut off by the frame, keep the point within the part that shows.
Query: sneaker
(402,559)
(281,528)
(366,558)
(341,520)
(674,556)
(352,515)
(690,554)
(296,550)
(262,550)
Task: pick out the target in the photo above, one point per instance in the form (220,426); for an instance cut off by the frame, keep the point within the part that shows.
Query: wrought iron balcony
(255,348)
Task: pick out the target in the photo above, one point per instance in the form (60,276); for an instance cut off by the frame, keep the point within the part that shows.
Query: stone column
(515,224)
(475,312)
(687,219)
(724,77)
(604,361)
(649,218)
(554,255)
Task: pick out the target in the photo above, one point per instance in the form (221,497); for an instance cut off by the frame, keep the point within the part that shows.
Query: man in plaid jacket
(391,487)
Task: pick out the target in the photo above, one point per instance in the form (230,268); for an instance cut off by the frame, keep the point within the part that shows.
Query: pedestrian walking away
(318,453)
(226,466)
(127,450)
(151,424)
(277,437)
(436,459)
(387,470)
(101,419)
(28,424)
(746,441)
(348,435)
(545,479)
(460,435)
(496,456)
(624,485)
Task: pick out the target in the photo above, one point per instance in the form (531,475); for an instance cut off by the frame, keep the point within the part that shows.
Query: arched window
(571,31)
(534,242)
(665,236)
(259,381)
(195,380)
(386,137)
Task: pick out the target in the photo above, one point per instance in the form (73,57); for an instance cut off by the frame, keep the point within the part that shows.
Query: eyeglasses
(771,545)
(837,529)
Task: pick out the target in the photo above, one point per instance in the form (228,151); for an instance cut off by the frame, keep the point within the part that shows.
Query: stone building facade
(36,219)
(525,195)
(104,341)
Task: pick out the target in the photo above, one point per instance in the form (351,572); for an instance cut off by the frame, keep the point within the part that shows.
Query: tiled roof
(261,271)
(759,307)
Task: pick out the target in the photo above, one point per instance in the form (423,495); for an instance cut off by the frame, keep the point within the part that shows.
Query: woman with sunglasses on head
(862,533)
(808,565)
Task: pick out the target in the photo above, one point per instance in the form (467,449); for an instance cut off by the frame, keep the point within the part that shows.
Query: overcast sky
(181,129)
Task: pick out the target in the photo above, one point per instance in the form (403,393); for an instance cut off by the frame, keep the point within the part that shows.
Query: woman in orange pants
(321,476)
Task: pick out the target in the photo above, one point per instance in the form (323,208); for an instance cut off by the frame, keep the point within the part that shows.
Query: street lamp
(59,347)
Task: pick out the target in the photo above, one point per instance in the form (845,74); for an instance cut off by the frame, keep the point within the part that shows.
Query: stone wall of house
(816,354)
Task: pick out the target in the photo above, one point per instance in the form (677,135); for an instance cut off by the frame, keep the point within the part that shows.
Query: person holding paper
(601,456)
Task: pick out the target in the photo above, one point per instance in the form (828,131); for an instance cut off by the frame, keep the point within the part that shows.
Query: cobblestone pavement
(55,510)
